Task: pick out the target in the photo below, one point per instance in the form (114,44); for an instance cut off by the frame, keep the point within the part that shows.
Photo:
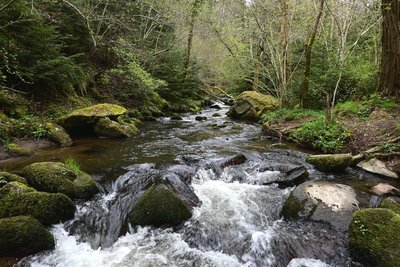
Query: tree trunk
(285,47)
(308,52)
(390,76)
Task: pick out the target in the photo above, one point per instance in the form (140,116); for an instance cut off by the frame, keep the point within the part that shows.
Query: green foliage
(377,100)
(389,147)
(361,227)
(73,165)
(351,108)
(290,115)
(327,137)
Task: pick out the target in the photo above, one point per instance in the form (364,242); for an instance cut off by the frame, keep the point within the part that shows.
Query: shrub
(328,137)
(351,108)
(289,115)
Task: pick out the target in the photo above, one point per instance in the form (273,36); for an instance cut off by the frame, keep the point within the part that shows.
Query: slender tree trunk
(284,47)
(308,52)
(257,63)
(390,76)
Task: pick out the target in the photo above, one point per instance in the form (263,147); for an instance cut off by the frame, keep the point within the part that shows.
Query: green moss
(17,150)
(10,177)
(291,208)
(18,199)
(58,134)
(55,177)
(159,206)
(390,205)
(108,128)
(23,236)
(374,238)
(331,162)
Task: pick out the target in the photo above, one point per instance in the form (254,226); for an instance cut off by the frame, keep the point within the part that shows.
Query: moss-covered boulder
(17,150)
(90,115)
(374,238)
(390,204)
(22,236)
(58,134)
(331,162)
(18,199)
(322,201)
(56,177)
(108,128)
(251,105)
(159,206)
(10,177)
(12,105)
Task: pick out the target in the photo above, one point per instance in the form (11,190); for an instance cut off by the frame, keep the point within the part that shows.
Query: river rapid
(237,224)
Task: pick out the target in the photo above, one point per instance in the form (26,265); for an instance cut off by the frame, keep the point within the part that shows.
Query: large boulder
(58,134)
(377,167)
(322,201)
(107,128)
(390,204)
(56,177)
(22,236)
(18,199)
(90,115)
(168,201)
(331,162)
(251,105)
(289,174)
(374,238)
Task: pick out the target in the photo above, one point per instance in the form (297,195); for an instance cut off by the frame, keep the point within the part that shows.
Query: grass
(351,108)
(73,165)
(286,115)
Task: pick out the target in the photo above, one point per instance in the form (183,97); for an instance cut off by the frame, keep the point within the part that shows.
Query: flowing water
(237,224)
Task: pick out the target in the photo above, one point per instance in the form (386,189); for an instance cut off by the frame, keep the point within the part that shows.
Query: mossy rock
(18,199)
(55,177)
(17,150)
(58,134)
(159,206)
(374,238)
(12,104)
(10,177)
(251,105)
(331,162)
(6,128)
(22,236)
(390,204)
(90,115)
(108,128)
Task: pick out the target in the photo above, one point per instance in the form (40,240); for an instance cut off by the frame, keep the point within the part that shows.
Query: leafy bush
(328,137)
(290,115)
(351,108)
(376,100)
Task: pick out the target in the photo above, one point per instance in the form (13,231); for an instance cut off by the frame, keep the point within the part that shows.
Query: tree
(390,76)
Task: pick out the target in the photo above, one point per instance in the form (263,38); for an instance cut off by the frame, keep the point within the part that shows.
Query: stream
(237,224)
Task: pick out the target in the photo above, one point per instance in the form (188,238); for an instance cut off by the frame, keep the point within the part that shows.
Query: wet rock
(216,115)
(322,201)
(18,199)
(90,115)
(251,105)
(215,106)
(377,167)
(390,204)
(56,177)
(185,172)
(374,239)
(176,117)
(168,201)
(219,165)
(58,134)
(10,177)
(22,236)
(200,118)
(385,190)
(17,150)
(290,174)
(107,128)
(330,162)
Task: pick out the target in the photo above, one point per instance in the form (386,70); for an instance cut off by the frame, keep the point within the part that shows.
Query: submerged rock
(18,199)
(58,134)
(108,128)
(22,236)
(374,238)
(19,151)
(251,105)
(331,162)
(322,201)
(90,115)
(377,167)
(56,177)
(200,118)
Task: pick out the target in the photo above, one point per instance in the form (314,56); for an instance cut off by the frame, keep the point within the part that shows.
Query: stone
(377,167)
(18,199)
(56,177)
(374,238)
(216,115)
(330,162)
(390,204)
(383,189)
(290,174)
(22,236)
(322,201)
(17,150)
(90,115)
(10,177)
(58,134)
(200,118)
(108,128)
(251,105)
